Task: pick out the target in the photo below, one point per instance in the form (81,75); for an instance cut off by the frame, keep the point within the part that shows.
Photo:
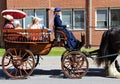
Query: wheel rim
(36,60)
(74,65)
(18,63)
(64,54)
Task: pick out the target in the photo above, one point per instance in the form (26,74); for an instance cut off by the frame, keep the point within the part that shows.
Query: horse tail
(103,50)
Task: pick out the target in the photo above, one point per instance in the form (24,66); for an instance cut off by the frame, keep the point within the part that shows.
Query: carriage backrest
(59,34)
(26,35)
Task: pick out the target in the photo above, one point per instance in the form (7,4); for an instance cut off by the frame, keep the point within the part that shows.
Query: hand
(67,25)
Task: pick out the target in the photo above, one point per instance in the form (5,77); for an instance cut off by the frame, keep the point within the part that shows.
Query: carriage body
(23,45)
(37,41)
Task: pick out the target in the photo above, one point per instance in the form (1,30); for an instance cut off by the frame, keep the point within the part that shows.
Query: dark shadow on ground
(3,75)
(57,73)
(96,72)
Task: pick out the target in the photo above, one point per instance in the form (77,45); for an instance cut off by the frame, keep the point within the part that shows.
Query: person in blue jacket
(72,42)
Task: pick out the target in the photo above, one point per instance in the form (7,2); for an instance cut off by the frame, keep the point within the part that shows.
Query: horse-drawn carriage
(25,46)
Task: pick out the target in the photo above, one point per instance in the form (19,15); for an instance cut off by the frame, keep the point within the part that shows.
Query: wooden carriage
(24,46)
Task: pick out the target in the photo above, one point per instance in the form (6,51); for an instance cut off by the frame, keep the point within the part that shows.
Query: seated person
(35,23)
(17,24)
(72,42)
(8,22)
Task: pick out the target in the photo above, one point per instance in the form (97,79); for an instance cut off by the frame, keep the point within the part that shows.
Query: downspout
(87,6)
(90,22)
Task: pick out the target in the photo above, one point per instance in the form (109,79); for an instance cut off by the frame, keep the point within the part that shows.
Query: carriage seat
(59,34)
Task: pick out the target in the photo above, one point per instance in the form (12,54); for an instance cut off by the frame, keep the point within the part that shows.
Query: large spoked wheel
(18,63)
(74,64)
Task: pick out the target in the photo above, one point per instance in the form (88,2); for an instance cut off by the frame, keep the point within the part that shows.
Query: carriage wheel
(74,64)
(18,63)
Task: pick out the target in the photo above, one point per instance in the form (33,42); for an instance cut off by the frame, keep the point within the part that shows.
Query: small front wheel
(18,63)
(74,64)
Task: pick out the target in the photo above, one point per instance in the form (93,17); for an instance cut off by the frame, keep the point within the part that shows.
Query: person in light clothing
(8,22)
(35,23)
(17,24)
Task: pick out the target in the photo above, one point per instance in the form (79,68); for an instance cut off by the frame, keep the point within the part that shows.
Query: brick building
(103,14)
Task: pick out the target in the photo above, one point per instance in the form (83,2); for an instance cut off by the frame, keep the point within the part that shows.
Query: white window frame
(110,14)
(70,16)
(74,19)
(44,19)
(96,19)
(34,10)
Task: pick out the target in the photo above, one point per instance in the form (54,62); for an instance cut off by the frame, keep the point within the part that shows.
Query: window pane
(79,19)
(115,17)
(41,14)
(67,17)
(28,19)
(101,18)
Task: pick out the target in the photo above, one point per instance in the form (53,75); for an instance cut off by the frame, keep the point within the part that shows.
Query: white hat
(8,17)
(40,19)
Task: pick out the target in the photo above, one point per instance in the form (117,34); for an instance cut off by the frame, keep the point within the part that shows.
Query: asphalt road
(49,72)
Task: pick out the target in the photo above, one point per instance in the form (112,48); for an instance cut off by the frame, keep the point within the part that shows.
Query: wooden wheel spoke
(24,55)
(9,67)
(16,72)
(27,62)
(7,57)
(10,53)
(20,52)
(12,71)
(15,51)
(21,73)
(25,71)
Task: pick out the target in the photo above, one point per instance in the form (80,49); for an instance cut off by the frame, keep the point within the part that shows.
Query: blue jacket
(71,40)
(58,22)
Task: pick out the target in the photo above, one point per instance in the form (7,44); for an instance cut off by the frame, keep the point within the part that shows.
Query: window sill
(101,29)
(76,29)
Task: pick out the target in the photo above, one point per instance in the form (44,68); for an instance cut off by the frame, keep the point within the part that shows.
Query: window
(38,13)
(115,17)
(41,14)
(74,18)
(28,19)
(79,22)
(67,17)
(102,19)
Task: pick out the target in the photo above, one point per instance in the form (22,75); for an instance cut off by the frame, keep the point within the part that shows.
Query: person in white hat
(17,24)
(8,22)
(35,23)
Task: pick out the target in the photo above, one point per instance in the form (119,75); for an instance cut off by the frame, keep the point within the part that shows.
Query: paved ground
(49,71)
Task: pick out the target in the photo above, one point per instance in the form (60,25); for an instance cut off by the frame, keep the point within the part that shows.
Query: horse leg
(107,63)
(113,70)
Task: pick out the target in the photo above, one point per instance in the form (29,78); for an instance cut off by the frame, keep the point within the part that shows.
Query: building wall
(68,3)
(27,4)
(97,34)
(64,4)
(2,7)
